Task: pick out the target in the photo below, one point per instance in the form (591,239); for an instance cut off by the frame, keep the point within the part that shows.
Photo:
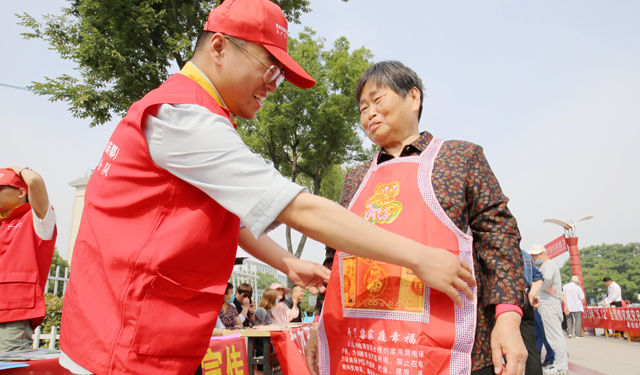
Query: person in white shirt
(575,297)
(614,293)
(550,309)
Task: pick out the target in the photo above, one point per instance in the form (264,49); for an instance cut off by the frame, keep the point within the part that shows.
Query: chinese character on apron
(379,318)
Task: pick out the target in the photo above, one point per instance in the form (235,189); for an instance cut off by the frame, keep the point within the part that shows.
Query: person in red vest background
(177,190)
(27,241)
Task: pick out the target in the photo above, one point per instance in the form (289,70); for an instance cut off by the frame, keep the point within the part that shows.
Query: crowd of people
(239,311)
(444,247)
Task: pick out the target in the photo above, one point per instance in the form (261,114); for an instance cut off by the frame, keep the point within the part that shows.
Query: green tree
(53,315)
(309,134)
(265,280)
(122,49)
(620,262)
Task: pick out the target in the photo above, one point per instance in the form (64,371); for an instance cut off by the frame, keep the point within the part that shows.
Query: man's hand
(533,301)
(567,311)
(443,271)
(311,352)
(506,341)
(307,274)
(38,197)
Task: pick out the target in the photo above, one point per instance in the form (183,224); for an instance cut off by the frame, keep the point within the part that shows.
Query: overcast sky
(550,89)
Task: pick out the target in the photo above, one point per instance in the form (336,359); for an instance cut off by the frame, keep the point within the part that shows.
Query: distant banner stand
(626,319)
(556,247)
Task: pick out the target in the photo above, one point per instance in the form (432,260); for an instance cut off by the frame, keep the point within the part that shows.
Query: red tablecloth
(289,346)
(44,367)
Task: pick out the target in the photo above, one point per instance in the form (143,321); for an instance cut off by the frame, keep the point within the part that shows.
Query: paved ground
(599,355)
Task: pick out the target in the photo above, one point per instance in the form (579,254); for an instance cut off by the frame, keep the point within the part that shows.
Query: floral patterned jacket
(470,194)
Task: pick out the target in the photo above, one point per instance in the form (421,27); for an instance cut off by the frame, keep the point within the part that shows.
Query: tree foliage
(122,48)
(52,317)
(309,134)
(620,262)
(265,280)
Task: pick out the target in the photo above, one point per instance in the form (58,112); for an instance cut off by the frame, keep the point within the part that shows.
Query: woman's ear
(415,97)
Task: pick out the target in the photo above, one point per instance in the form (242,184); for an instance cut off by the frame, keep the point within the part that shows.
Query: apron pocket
(177,321)
(18,290)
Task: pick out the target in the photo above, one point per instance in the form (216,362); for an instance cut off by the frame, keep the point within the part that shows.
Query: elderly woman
(442,194)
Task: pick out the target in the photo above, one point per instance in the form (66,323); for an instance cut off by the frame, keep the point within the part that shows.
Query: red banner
(625,319)
(556,247)
(289,346)
(226,356)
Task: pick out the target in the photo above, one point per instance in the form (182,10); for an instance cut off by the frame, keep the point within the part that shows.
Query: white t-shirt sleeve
(204,150)
(44,227)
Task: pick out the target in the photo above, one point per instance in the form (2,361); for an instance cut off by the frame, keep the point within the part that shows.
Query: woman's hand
(307,274)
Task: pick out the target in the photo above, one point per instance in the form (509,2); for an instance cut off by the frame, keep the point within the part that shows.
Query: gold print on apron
(382,207)
(373,285)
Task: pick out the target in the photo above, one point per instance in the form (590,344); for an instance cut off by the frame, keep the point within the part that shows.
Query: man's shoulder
(289,302)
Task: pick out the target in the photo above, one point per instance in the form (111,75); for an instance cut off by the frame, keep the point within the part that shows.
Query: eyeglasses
(273,72)
(246,295)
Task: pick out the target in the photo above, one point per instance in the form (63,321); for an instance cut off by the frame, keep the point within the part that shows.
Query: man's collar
(192,71)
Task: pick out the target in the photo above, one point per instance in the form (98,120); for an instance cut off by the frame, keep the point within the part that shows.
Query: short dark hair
(206,35)
(395,75)
(607,278)
(245,288)
(203,38)
(229,286)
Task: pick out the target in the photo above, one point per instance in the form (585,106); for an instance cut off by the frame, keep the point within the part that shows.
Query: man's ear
(217,46)
(22,193)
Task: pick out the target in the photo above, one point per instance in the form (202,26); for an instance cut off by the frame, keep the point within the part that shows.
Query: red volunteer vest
(379,318)
(25,260)
(152,257)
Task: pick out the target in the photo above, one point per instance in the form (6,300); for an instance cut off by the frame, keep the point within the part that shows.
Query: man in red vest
(27,240)
(176,191)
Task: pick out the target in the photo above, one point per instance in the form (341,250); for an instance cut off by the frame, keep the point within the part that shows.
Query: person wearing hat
(550,309)
(282,313)
(575,303)
(27,242)
(282,291)
(176,191)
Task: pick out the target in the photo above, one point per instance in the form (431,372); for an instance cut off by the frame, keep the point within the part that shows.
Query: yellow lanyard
(192,72)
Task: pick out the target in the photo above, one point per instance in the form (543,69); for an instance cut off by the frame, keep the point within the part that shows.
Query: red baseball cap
(261,22)
(10,178)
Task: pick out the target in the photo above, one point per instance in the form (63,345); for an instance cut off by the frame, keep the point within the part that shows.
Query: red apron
(380,318)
